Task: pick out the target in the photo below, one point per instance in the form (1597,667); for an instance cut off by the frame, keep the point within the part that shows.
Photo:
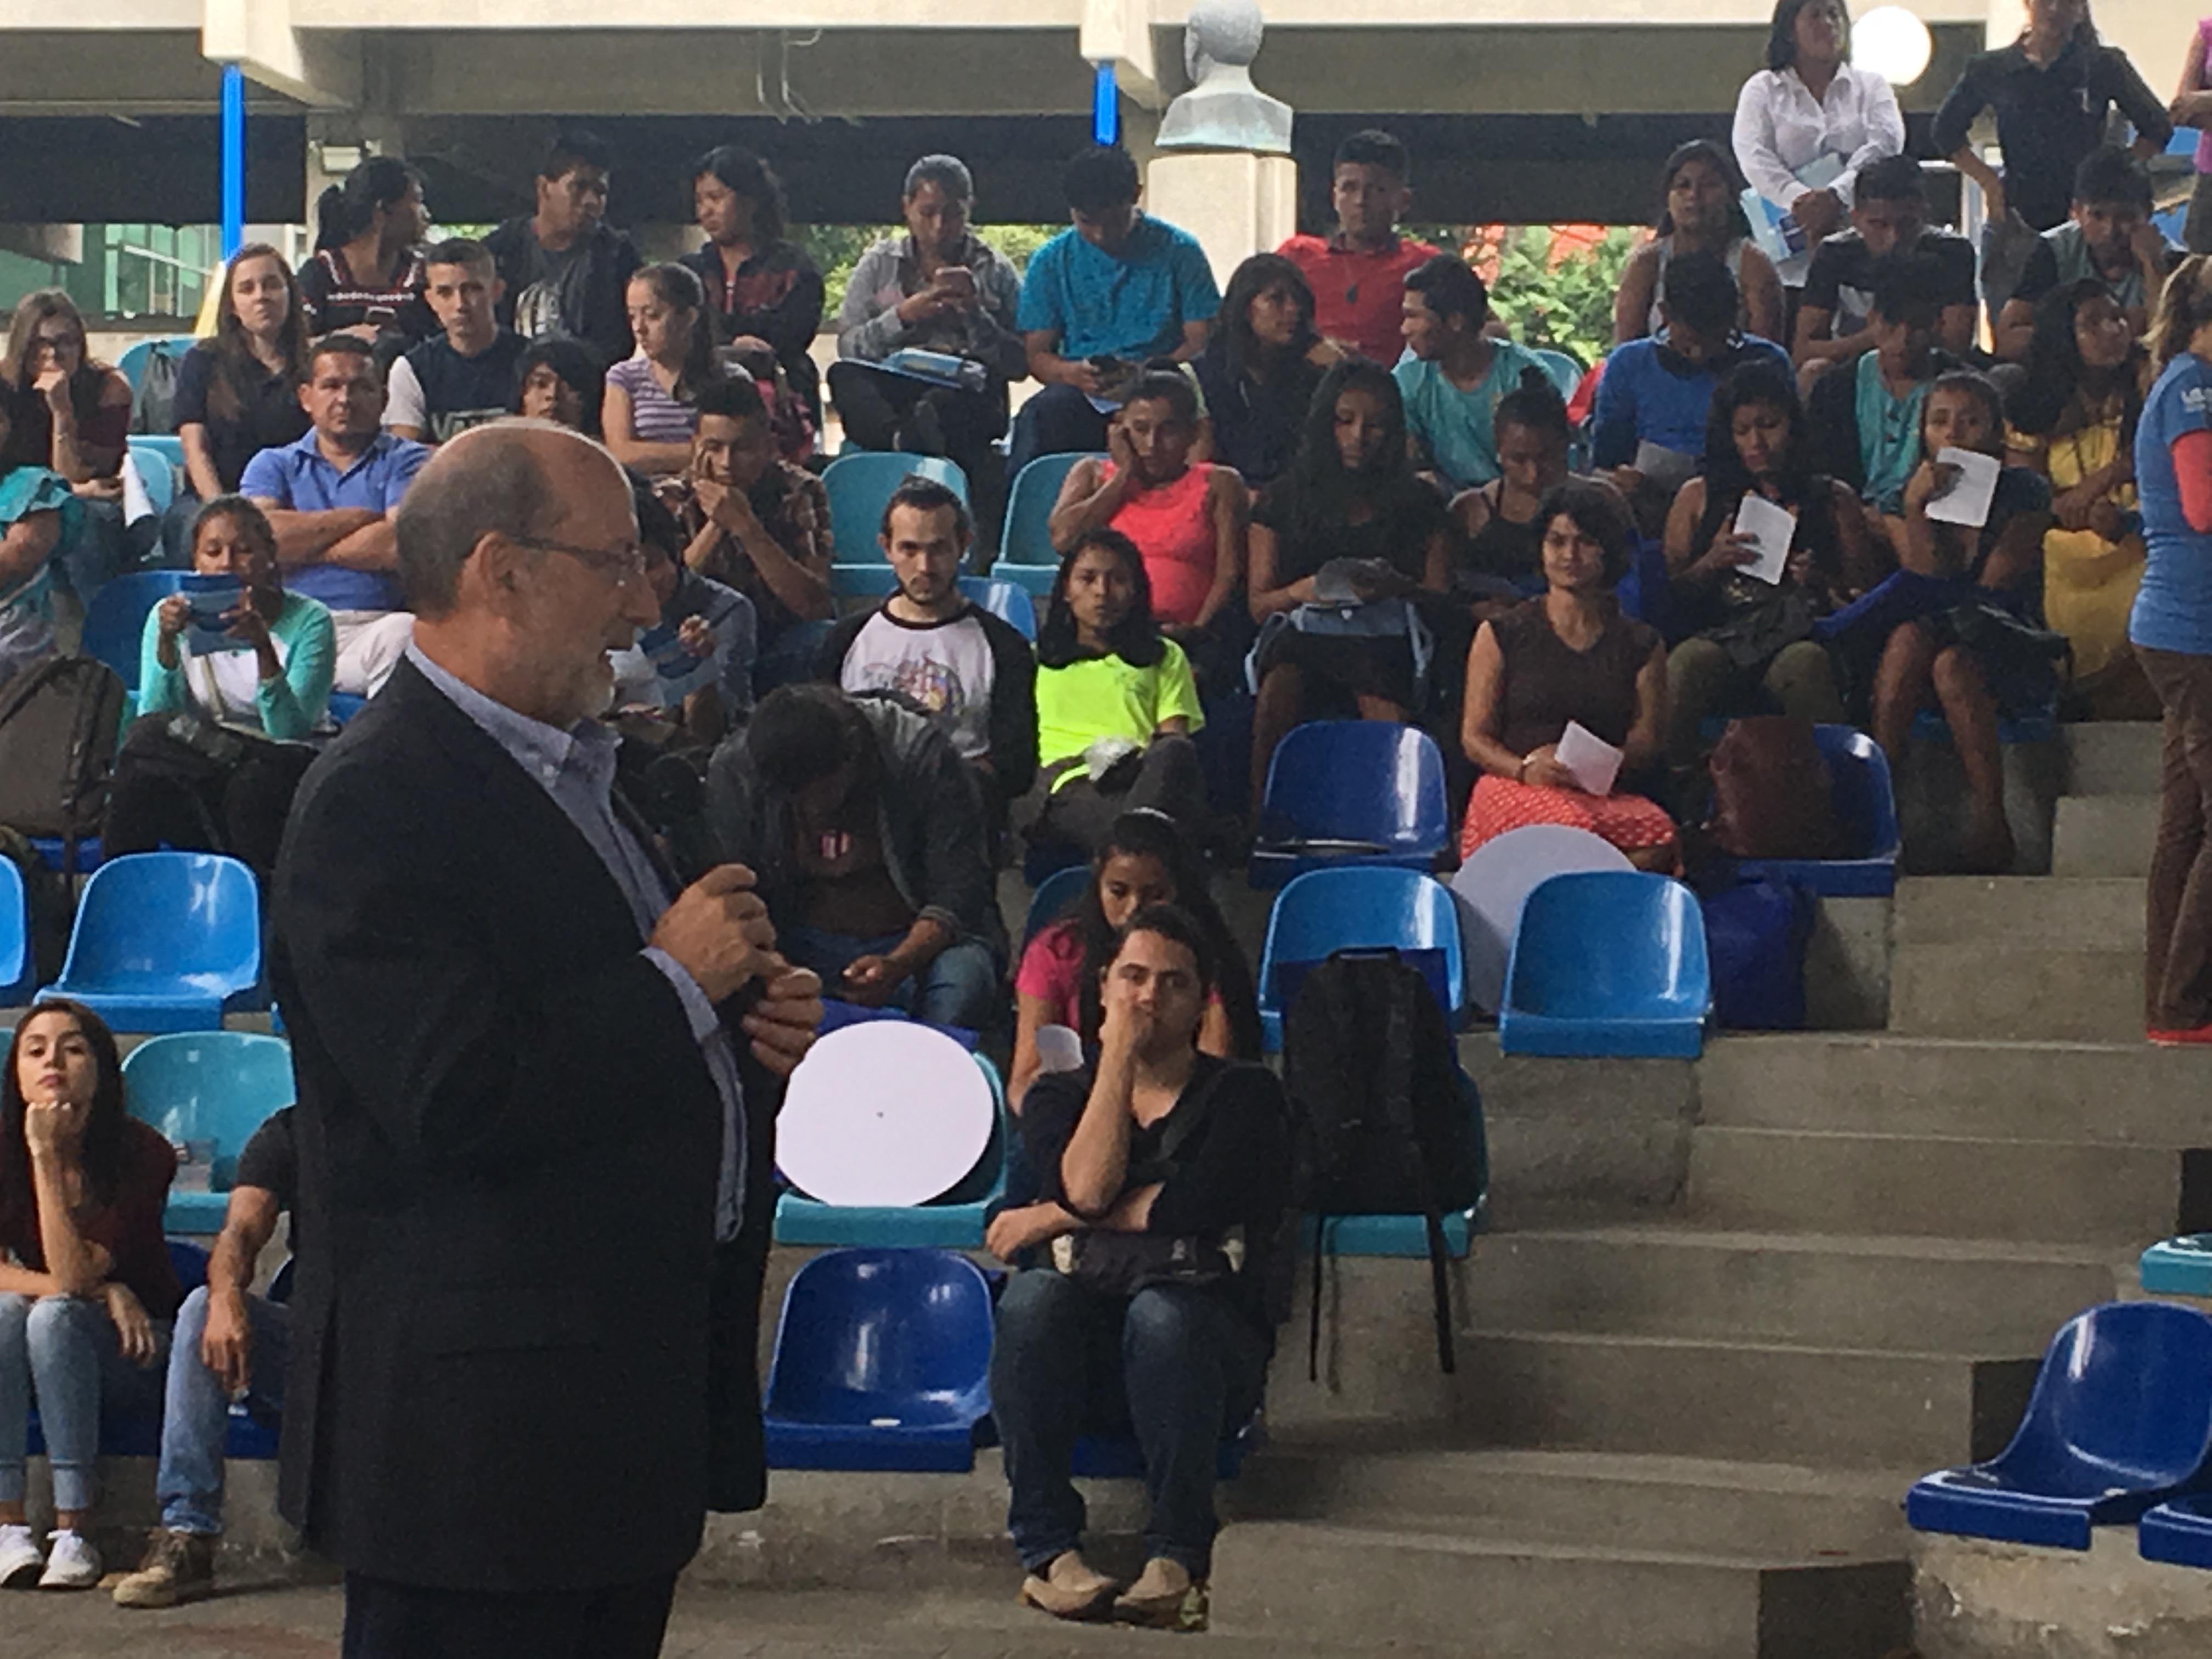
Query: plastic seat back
(1368,781)
(1865,803)
(1609,944)
(1026,540)
(2123,1401)
(1566,373)
(1363,907)
(14,932)
(155,924)
(217,1086)
(874,1336)
(157,472)
(1008,601)
(859,483)
(1054,898)
(115,621)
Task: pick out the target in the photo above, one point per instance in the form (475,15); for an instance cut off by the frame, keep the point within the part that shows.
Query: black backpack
(59,720)
(1382,1121)
(153,406)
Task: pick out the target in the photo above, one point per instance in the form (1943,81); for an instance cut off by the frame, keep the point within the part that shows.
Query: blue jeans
(196,1411)
(1180,1364)
(960,986)
(66,1349)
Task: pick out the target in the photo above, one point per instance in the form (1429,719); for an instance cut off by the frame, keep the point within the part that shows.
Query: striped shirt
(654,417)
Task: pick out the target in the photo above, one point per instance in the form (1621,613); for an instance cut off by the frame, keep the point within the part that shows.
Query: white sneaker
(72,1563)
(20,1560)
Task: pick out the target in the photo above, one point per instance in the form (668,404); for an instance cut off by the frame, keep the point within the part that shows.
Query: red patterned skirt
(1629,821)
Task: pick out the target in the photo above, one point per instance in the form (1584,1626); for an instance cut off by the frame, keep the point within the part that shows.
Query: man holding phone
(937,288)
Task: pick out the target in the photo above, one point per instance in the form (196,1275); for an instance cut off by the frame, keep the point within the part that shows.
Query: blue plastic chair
(344,706)
(131,365)
(2029,726)
(1007,601)
(1373,788)
(2177,1267)
(157,470)
(16,969)
(166,444)
(115,621)
(2177,1532)
(219,1086)
(1363,907)
(955,1222)
(1866,807)
(165,942)
(1025,551)
(883,1361)
(2121,1419)
(1055,896)
(860,482)
(1407,1236)
(1566,373)
(1608,962)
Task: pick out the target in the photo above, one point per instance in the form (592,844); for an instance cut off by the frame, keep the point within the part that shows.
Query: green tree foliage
(1566,302)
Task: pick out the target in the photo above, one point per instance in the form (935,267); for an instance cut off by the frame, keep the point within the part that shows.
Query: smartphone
(381,316)
(959,277)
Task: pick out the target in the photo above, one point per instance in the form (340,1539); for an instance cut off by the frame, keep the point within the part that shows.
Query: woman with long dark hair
(70,418)
(758,282)
(1117,702)
(1700,211)
(366,278)
(1259,371)
(648,413)
(86,1291)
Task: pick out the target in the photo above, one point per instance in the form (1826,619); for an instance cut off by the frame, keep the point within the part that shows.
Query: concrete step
(2112,757)
(1908,1294)
(2021,993)
(2104,835)
(2043,1191)
(1824,1406)
(1372,1590)
(2043,912)
(2126,1093)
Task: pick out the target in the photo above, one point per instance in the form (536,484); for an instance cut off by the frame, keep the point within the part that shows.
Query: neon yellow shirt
(1108,697)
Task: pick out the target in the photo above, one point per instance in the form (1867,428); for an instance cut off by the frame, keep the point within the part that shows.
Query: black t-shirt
(268,413)
(1406,515)
(1841,280)
(271,1161)
(459,392)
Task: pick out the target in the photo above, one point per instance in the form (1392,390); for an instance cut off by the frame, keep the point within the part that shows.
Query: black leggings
(239,811)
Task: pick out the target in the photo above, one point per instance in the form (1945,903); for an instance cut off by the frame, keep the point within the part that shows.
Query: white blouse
(1781,128)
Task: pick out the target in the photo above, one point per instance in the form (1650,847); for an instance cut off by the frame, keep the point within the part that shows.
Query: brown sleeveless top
(1548,683)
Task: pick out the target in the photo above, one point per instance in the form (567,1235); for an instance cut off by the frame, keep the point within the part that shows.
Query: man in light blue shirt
(1455,374)
(1099,300)
(330,498)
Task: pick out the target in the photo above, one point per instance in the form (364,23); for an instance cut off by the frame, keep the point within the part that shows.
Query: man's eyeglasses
(625,564)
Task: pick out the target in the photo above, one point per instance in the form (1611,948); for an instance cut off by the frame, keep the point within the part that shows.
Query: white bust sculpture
(1223,110)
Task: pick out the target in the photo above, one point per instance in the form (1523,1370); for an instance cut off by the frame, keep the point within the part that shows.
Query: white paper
(1772,527)
(1967,501)
(1592,761)
(1059,1050)
(137,502)
(1667,468)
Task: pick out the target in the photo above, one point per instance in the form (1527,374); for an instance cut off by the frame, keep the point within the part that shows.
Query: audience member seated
(1753,652)
(1117,289)
(365,278)
(1569,657)
(71,418)
(1653,403)
(562,381)
(464,376)
(1867,420)
(566,269)
(1152,1309)
(229,1343)
(87,1292)
(1260,371)
(1342,545)
(866,831)
(1889,215)
(1811,105)
(2108,237)
(1456,373)
(1188,520)
(651,413)
(1701,212)
(971,672)
(939,287)
(221,779)
(330,498)
(759,525)
(37,513)
(758,282)
(1501,560)
(2192,108)
(1145,860)
(659,697)
(2073,420)
(1970,651)
(238,394)
(1116,703)
(1358,274)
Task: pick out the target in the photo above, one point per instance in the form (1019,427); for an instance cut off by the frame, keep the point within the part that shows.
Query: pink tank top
(1173,527)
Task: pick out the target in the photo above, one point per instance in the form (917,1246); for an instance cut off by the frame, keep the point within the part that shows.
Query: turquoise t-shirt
(2173,607)
(1454,426)
(1132,303)
(1889,434)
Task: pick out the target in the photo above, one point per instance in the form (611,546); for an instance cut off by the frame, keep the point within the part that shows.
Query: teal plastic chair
(217,1086)
(1026,553)
(1566,373)
(1055,898)
(16,972)
(115,621)
(131,365)
(859,483)
(165,942)
(1006,600)
(158,468)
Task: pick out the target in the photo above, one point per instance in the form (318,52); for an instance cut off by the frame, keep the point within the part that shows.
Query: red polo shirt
(1357,296)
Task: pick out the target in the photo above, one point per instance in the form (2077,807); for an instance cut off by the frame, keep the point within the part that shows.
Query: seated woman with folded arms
(1569,658)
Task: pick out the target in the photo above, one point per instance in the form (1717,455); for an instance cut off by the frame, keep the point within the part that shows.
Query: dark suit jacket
(508,1146)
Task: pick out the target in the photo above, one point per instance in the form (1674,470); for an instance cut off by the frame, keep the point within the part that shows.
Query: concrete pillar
(1237,203)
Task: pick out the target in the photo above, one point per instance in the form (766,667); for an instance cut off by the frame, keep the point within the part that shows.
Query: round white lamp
(1893,43)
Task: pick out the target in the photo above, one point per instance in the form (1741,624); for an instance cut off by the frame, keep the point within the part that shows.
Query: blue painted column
(233,158)
(1106,106)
